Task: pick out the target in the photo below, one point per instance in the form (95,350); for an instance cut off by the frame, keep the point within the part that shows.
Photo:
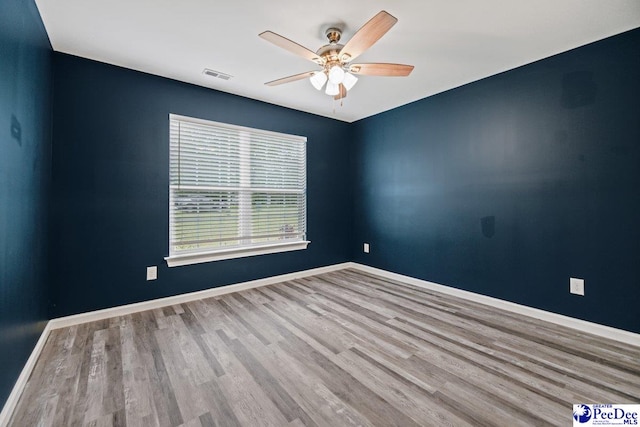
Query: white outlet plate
(576,286)
(366,248)
(152,273)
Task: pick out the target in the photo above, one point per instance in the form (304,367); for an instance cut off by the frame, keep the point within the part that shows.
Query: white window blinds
(234,188)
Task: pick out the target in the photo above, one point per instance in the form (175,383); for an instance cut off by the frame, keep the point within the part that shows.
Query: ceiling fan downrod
(333,34)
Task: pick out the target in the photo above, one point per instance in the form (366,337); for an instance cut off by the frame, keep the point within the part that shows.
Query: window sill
(188,259)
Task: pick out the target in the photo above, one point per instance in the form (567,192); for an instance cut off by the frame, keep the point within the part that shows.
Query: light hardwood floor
(338,349)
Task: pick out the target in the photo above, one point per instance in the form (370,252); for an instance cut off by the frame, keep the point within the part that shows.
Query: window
(234,191)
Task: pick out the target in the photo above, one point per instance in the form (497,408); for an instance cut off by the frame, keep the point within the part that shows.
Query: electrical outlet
(152,273)
(576,286)
(366,248)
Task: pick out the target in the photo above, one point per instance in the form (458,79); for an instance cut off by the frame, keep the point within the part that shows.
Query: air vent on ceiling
(217,74)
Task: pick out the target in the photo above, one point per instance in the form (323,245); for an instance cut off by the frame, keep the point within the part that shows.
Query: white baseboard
(21,382)
(61,322)
(559,319)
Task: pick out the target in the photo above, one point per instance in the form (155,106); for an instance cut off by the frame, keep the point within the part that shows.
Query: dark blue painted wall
(25,157)
(111,177)
(510,185)
(505,187)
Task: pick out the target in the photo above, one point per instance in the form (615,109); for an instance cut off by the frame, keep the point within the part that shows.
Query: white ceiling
(450,42)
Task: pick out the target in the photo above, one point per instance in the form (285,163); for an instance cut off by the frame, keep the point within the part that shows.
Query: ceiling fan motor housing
(330,52)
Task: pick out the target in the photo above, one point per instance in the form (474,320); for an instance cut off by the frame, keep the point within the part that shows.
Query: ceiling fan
(335,59)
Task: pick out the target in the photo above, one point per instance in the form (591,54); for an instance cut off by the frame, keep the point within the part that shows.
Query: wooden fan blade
(290,78)
(366,36)
(390,70)
(342,93)
(291,46)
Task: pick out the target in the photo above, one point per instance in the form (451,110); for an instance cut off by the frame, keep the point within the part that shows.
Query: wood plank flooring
(337,349)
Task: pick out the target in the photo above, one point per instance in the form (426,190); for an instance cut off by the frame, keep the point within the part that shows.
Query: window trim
(198,258)
(235,252)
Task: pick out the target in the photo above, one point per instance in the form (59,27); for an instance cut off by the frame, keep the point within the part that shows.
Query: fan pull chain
(334,104)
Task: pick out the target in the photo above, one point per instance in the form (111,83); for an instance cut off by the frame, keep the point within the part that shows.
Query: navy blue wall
(510,185)
(25,157)
(111,177)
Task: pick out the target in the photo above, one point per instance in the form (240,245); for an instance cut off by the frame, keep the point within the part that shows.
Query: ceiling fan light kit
(336,74)
(335,59)
(333,89)
(349,81)
(318,79)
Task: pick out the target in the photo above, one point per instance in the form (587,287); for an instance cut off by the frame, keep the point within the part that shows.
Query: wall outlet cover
(366,248)
(576,286)
(152,273)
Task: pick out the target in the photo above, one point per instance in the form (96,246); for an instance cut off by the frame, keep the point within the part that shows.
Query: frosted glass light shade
(349,81)
(332,88)
(336,75)
(318,79)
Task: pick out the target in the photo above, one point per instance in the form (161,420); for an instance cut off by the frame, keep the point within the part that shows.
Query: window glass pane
(203,220)
(233,187)
(278,216)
